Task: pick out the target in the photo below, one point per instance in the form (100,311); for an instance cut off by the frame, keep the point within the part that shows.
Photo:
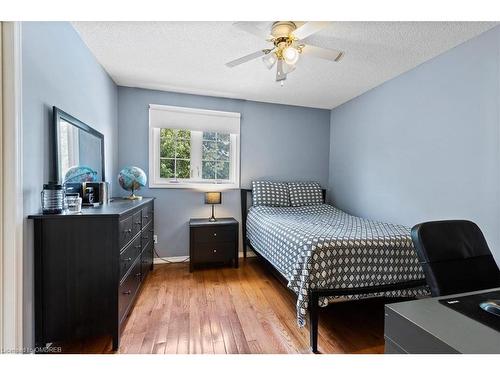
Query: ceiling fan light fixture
(287,45)
(291,55)
(270,59)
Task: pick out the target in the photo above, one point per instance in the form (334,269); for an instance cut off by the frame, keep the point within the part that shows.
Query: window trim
(155,181)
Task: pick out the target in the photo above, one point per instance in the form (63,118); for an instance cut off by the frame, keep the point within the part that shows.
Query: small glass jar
(52,198)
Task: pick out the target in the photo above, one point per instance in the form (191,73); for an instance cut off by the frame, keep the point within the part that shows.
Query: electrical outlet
(155,238)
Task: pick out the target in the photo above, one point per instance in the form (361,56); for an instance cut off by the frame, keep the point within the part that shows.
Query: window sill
(193,185)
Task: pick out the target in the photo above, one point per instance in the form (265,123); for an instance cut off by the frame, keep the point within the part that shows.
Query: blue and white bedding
(321,246)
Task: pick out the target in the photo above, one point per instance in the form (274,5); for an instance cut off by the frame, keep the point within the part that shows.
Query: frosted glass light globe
(290,55)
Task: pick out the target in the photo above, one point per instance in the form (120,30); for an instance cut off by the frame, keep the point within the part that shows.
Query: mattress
(321,246)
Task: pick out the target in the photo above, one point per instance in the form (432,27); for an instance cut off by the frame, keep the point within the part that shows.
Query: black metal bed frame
(315,294)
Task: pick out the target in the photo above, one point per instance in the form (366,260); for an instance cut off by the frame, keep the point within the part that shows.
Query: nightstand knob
(215,251)
(127,292)
(215,234)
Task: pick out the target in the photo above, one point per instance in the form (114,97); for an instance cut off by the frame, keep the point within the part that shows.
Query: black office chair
(455,257)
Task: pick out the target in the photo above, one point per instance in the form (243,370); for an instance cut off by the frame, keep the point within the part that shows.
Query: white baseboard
(180,259)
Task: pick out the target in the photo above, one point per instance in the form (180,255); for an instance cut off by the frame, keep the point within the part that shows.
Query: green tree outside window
(175,153)
(215,155)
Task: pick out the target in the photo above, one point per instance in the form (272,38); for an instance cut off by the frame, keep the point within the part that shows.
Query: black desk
(426,327)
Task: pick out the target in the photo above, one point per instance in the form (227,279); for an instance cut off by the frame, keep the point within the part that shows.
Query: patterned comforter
(323,247)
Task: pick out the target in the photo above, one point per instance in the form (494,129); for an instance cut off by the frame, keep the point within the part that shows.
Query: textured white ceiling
(189,57)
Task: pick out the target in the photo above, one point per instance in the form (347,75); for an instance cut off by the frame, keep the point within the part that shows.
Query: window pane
(223,137)
(209,151)
(183,149)
(210,136)
(184,134)
(167,168)
(175,155)
(183,169)
(223,170)
(208,170)
(223,151)
(167,143)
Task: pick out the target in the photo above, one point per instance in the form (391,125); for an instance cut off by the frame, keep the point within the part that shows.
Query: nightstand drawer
(214,252)
(218,233)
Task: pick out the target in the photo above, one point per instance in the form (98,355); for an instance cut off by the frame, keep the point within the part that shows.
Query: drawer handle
(127,231)
(138,222)
(137,246)
(215,234)
(128,292)
(128,260)
(215,251)
(138,274)
(146,217)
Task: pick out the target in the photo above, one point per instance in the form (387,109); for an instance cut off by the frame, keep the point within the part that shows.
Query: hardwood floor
(227,310)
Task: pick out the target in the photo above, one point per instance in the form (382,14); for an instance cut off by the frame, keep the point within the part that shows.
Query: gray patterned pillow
(268,193)
(305,193)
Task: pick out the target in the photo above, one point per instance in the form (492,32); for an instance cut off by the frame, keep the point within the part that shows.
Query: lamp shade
(213,197)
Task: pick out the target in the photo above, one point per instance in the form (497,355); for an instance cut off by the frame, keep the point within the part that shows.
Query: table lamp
(213,198)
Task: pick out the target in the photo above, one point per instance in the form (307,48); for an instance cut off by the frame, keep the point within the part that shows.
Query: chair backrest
(455,257)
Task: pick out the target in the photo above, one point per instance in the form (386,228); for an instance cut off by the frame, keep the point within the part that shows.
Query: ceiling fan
(288,46)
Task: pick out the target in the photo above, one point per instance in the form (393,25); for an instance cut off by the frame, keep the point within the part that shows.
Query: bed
(322,253)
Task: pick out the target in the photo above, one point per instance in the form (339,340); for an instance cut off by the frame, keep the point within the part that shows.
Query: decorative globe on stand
(132,179)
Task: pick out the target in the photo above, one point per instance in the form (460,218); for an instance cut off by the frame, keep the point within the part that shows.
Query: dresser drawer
(136,222)
(147,235)
(125,231)
(218,233)
(129,255)
(214,252)
(128,289)
(146,260)
(147,214)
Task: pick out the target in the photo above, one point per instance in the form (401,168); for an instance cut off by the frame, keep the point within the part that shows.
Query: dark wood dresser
(213,242)
(89,268)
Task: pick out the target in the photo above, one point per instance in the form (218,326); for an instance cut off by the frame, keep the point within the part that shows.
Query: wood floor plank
(227,310)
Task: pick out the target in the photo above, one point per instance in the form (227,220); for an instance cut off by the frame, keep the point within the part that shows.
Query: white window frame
(198,126)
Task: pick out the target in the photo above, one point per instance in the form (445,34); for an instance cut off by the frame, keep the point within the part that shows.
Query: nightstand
(213,242)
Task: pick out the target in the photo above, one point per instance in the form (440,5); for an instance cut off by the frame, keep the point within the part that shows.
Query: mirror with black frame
(78,150)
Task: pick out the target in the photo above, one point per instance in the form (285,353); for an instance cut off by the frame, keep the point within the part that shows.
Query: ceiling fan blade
(309,28)
(246,58)
(287,68)
(250,27)
(280,73)
(322,53)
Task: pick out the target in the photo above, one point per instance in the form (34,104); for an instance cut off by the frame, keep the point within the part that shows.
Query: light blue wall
(425,145)
(277,142)
(59,70)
